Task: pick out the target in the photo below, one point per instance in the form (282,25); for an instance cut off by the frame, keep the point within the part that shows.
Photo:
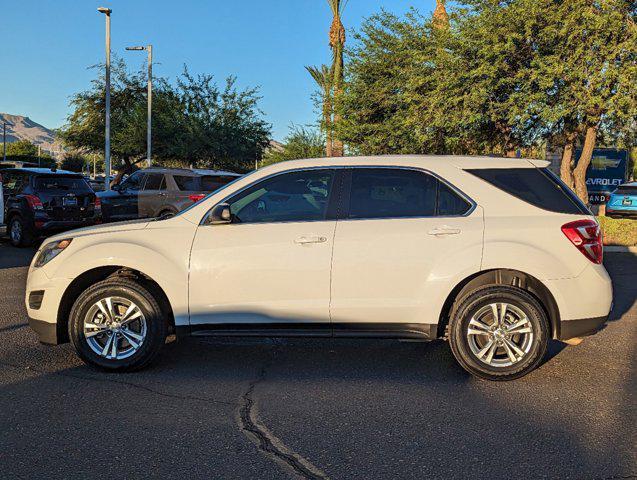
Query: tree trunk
(338,148)
(566,167)
(579,174)
(327,118)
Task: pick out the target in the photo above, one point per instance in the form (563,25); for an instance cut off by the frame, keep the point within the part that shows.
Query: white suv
(495,255)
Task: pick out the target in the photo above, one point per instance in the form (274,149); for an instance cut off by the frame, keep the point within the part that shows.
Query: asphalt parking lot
(316,408)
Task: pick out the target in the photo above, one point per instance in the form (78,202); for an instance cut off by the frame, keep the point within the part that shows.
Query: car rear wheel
(498,332)
(163,215)
(19,233)
(117,325)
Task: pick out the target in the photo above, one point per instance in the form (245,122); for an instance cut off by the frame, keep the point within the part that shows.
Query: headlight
(50,251)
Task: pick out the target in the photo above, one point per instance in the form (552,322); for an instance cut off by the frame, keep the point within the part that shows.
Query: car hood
(106,228)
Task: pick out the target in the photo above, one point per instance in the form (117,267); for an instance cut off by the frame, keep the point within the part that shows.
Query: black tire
(19,232)
(156,324)
(164,214)
(471,304)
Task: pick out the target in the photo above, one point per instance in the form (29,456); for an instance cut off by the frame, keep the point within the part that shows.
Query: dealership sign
(606,172)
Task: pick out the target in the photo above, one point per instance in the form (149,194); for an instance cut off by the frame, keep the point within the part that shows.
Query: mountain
(23,128)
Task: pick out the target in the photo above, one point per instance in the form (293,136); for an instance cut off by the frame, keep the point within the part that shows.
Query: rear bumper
(581,328)
(60,225)
(47,332)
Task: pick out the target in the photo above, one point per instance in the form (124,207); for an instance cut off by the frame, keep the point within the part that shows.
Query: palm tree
(337,44)
(440,16)
(324,78)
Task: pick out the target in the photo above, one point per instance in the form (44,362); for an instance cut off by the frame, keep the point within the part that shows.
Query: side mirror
(220,214)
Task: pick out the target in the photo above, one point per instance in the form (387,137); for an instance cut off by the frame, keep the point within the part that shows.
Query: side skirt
(415,331)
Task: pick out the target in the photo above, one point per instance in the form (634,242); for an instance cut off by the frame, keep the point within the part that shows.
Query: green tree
(589,71)
(223,128)
(22,147)
(300,143)
(379,93)
(74,163)
(25,151)
(194,121)
(505,77)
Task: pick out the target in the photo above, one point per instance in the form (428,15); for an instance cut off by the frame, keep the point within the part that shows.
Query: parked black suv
(160,192)
(39,202)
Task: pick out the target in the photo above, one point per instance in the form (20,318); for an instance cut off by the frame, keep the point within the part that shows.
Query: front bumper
(581,328)
(47,332)
(42,301)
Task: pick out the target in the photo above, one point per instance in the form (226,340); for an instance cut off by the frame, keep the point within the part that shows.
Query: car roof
(183,171)
(188,171)
(424,161)
(42,171)
(224,173)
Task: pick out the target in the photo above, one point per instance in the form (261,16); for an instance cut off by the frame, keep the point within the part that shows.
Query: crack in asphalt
(128,384)
(267,442)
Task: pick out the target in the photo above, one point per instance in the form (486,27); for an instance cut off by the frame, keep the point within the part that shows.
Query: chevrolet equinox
(495,255)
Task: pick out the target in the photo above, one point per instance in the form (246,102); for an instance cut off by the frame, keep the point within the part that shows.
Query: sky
(48,45)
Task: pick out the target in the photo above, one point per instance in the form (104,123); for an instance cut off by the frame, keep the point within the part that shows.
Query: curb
(619,249)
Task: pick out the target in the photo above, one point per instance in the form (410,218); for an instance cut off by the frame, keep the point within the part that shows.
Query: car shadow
(12,257)
(622,268)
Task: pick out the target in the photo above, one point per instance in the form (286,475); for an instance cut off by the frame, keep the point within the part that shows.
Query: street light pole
(149,127)
(150,103)
(107,140)
(4,141)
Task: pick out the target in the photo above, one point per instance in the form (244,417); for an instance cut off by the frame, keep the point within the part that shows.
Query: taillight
(34,202)
(98,203)
(587,237)
(196,197)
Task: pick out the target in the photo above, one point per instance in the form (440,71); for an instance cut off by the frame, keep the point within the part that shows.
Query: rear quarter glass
(536,186)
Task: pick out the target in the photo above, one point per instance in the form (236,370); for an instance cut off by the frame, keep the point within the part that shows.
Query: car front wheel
(498,332)
(117,325)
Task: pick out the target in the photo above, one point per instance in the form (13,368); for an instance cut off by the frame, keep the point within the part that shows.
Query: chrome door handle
(305,239)
(444,230)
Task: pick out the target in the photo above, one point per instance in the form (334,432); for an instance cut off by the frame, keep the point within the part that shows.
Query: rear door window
(155,181)
(210,183)
(52,183)
(188,183)
(392,193)
(537,186)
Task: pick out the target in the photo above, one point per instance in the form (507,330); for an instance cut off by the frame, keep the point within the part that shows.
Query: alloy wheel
(115,328)
(500,334)
(16,231)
